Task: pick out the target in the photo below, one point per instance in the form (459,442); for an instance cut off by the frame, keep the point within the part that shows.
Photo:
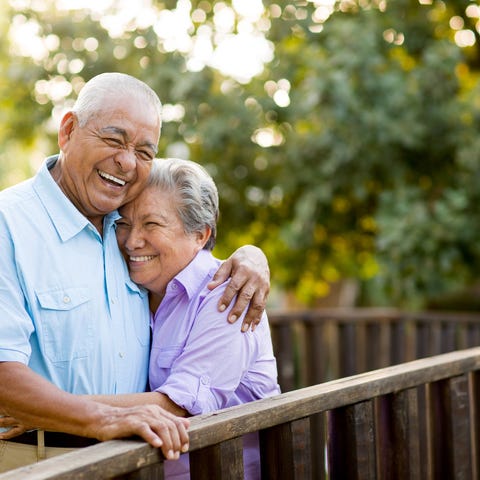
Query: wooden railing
(316,346)
(417,420)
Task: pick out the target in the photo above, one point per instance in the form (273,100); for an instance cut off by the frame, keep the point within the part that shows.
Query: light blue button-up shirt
(68,308)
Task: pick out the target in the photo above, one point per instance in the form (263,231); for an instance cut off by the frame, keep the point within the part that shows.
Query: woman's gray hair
(195,193)
(91,99)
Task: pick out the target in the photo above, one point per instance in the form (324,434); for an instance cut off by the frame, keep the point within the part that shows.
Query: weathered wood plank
(398,449)
(347,349)
(475,423)
(451,446)
(282,339)
(152,472)
(223,461)
(285,451)
(351,442)
(105,460)
(120,457)
(316,347)
(318,445)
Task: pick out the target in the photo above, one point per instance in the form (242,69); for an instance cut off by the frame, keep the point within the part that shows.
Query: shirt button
(66,299)
(121,354)
(204,380)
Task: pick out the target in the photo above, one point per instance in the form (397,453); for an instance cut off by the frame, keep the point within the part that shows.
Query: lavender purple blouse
(202,362)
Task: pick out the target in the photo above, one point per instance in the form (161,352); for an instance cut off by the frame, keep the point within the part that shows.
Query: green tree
(353,154)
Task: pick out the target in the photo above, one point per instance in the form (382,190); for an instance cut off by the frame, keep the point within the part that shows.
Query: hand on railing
(155,425)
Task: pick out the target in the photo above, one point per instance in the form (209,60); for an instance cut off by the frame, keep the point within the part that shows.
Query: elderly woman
(199,362)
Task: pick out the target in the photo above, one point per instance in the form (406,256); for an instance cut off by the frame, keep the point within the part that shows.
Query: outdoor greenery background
(366,169)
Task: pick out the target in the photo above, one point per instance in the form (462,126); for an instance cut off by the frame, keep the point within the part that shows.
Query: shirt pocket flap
(63,299)
(165,357)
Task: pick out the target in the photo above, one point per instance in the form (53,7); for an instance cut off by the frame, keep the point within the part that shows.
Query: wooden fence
(417,420)
(316,346)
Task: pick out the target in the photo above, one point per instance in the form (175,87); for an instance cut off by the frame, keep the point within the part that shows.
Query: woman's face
(152,240)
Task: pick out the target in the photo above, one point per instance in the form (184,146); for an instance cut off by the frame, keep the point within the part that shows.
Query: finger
(242,301)
(12,432)
(7,421)
(221,275)
(230,292)
(254,313)
(176,442)
(182,425)
(164,430)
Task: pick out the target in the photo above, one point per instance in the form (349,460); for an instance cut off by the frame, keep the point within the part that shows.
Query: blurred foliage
(354,154)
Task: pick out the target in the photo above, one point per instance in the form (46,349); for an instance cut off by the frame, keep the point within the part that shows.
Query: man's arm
(32,400)
(250,282)
(133,399)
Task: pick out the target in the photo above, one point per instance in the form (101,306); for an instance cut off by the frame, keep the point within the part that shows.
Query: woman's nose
(134,240)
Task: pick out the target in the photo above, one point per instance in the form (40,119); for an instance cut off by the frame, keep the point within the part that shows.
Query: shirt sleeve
(215,358)
(15,324)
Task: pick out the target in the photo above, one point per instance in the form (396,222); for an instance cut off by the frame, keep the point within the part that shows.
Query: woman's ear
(67,124)
(202,237)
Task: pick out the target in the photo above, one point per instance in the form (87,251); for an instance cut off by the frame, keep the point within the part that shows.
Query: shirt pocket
(165,357)
(66,329)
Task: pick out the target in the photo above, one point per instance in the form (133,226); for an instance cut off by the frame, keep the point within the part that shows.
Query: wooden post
(223,461)
(351,443)
(285,451)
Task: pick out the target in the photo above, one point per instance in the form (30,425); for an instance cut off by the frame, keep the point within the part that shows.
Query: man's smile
(111,178)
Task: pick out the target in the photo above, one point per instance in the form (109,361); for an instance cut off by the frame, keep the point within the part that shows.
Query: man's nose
(126,159)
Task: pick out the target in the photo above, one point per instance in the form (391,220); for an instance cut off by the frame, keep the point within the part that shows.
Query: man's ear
(68,123)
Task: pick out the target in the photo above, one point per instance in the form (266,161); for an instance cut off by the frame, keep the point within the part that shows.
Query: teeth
(107,176)
(145,258)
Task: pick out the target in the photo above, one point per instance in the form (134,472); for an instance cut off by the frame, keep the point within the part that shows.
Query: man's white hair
(112,85)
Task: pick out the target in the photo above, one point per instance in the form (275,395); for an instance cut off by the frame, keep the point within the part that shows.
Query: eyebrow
(123,133)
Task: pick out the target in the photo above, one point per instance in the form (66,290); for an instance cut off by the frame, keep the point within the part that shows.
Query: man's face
(106,163)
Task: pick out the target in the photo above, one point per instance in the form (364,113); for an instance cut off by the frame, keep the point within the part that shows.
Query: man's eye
(145,155)
(115,142)
(121,224)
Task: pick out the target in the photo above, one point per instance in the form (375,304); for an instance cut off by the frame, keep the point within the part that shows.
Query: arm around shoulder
(249,283)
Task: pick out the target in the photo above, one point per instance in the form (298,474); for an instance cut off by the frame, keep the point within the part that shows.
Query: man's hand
(155,425)
(248,267)
(14,427)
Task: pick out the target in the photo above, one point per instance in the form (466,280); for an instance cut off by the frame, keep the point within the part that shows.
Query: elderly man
(71,320)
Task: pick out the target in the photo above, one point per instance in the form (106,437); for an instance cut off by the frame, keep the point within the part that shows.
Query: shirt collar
(192,277)
(67,220)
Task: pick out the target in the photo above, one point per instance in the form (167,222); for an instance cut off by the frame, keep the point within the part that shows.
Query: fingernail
(185,448)
(222,308)
(170,455)
(244,327)
(232,318)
